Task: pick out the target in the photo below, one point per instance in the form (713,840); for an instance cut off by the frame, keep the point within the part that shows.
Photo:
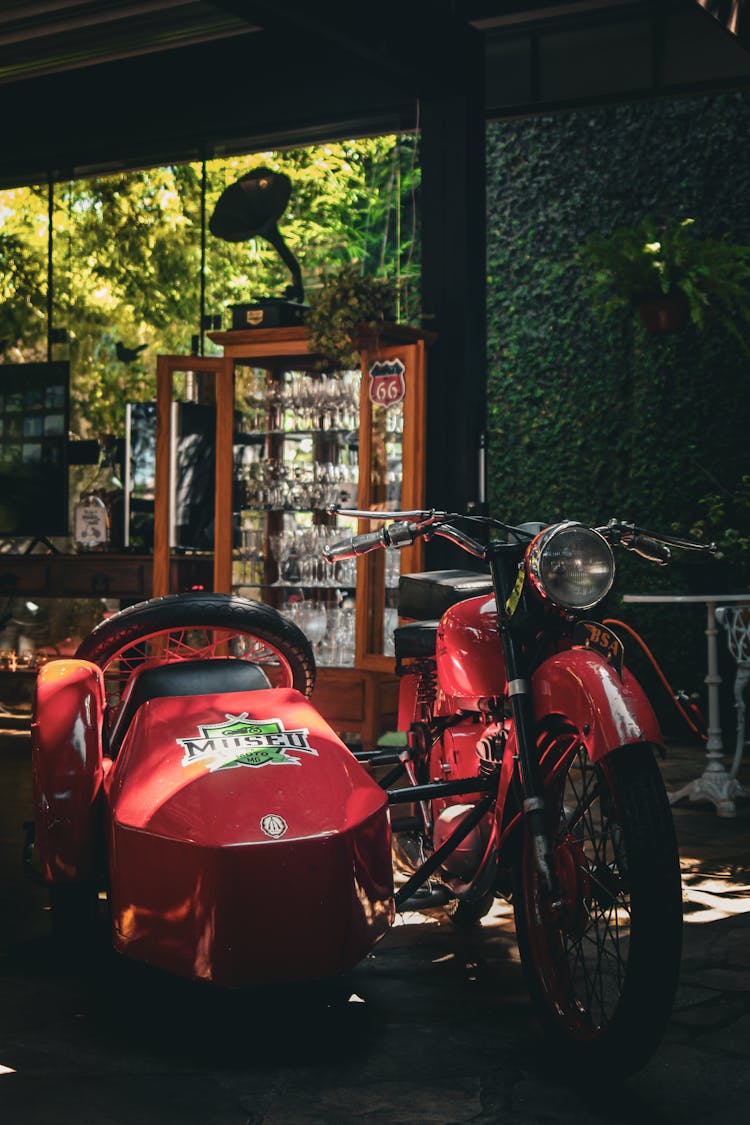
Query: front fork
(527,769)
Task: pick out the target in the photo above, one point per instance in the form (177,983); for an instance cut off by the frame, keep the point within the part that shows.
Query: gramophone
(251,208)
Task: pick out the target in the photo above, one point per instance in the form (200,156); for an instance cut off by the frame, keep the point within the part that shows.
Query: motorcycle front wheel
(602,962)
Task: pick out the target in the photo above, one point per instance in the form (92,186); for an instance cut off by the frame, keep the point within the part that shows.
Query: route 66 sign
(387,385)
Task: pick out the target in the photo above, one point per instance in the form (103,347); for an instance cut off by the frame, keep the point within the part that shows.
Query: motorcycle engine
(463,862)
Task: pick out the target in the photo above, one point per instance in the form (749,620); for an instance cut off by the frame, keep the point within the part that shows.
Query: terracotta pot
(665,314)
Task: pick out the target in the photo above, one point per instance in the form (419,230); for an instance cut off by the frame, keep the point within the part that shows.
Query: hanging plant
(347,301)
(669,275)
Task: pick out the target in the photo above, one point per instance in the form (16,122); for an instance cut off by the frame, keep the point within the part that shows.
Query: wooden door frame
(166,368)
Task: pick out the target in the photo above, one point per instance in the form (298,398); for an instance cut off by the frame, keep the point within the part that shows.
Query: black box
(427,596)
(267,313)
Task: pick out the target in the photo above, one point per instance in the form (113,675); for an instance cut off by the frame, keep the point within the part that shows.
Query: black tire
(194,625)
(602,969)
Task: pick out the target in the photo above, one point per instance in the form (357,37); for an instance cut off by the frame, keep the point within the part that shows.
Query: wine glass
(313,621)
(279,545)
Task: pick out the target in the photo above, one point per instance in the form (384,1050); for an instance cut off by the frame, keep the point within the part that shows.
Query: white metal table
(715,784)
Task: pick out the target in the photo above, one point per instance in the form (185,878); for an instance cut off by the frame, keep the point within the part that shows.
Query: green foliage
(724,518)
(127,258)
(351,202)
(347,299)
(636,264)
(591,418)
(23,269)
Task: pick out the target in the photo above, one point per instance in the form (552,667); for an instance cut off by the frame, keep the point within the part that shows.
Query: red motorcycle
(532,775)
(181,771)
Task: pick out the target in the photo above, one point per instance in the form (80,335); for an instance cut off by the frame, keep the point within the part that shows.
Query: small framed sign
(387,383)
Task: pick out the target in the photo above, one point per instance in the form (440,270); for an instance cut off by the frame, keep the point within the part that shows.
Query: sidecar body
(238,839)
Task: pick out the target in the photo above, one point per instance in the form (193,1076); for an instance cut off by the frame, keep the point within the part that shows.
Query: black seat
(183,677)
(417,639)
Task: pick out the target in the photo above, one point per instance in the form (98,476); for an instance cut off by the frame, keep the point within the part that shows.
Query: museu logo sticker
(240,741)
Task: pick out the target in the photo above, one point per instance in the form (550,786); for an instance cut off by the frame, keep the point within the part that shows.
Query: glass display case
(300,455)
(309,439)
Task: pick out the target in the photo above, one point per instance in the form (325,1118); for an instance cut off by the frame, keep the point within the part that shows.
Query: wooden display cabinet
(385,426)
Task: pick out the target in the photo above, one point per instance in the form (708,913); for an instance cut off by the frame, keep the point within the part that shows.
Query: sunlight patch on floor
(709,898)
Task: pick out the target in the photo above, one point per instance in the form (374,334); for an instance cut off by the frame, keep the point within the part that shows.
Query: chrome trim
(535,551)
(531,804)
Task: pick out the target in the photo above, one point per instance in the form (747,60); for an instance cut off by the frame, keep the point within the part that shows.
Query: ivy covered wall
(586,419)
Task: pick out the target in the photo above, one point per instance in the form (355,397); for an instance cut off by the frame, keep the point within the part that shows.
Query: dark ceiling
(87,85)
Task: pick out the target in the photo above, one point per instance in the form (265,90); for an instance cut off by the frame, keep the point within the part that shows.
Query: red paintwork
(407,701)
(196,885)
(278,867)
(66,737)
(580,685)
(470,662)
(608,712)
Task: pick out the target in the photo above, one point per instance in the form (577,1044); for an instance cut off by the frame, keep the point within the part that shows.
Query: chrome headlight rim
(535,553)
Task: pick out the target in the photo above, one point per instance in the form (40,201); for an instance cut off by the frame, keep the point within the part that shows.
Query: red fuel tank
(470,663)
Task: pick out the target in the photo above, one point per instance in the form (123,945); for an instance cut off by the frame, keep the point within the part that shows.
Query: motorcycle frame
(610,711)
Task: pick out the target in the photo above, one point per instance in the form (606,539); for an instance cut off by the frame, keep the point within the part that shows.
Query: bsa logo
(246,742)
(273,825)
(387,384)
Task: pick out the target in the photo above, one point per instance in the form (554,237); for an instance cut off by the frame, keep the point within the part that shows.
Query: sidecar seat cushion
(417,639)
(183,677)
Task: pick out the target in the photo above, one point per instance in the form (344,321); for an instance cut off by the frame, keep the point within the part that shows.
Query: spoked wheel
(602,963)
(199,626)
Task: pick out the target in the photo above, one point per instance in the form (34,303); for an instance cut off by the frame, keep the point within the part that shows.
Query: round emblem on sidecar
(273,825)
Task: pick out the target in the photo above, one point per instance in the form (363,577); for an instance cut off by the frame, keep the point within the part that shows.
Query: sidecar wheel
(602,966)
(200,625)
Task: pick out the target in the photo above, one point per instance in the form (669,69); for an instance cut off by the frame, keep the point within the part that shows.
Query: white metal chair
(736,621)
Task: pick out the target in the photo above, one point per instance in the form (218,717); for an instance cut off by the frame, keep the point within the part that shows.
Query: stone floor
(434,1027)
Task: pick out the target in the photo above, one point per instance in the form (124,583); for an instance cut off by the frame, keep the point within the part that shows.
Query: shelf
(294,586)
(257,436)
(288,511)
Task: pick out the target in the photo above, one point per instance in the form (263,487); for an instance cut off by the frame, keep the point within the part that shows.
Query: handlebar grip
(650,549)
(356,545)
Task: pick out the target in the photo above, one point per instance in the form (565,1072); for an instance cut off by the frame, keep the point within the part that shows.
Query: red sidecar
(181,769)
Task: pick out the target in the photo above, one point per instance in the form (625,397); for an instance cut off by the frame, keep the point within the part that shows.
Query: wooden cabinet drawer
(102,576)
(24,574)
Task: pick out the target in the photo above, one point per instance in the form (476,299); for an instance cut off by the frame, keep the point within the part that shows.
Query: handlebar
(650,549)
(650,545)
(354,546)
(408,526)
(397,535)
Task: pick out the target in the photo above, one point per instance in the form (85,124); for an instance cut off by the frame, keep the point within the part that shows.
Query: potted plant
(669,275)
(347,301)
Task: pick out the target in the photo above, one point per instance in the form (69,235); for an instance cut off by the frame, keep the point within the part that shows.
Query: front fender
(66,755)
(608,711)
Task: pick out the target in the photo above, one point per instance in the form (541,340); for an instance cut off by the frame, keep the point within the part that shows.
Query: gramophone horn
(251,207)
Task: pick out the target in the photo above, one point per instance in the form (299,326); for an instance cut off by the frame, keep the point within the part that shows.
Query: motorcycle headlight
(572,565)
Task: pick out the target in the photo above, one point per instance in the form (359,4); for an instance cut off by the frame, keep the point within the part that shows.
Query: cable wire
(701,733)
